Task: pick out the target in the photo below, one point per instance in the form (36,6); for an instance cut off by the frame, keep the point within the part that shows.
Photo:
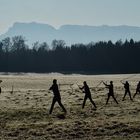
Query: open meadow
(25,102)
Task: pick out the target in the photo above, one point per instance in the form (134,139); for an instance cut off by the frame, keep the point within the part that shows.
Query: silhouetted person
(111,91)
(87,92)
(0,87)
(57,97)
(127,90)
(137,89)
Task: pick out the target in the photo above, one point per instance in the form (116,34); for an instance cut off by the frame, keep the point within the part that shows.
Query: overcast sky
(60,12)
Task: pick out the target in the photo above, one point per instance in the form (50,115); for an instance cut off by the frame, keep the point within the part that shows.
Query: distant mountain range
(72,34)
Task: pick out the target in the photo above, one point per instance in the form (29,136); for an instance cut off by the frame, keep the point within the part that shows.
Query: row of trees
(100,57)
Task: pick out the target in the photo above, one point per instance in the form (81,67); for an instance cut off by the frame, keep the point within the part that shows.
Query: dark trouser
(127,91)
(109,94)
(136,93)
(85,98)
(57,99)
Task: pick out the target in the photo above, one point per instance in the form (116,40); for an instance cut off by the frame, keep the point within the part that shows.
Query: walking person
(57,97)
(111,91)
(0,86)
(137,89)
(87,92)
(127,90)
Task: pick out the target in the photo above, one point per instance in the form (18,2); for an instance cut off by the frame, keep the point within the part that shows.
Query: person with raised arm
(87,92)
(127,90)
(111,91)
(137,89)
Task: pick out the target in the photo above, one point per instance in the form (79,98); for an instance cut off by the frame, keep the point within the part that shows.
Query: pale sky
(60,12)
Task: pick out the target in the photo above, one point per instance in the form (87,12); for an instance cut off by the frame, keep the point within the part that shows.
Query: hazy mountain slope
(72,33)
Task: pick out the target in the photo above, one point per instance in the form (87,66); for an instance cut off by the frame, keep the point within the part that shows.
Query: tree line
(93,58)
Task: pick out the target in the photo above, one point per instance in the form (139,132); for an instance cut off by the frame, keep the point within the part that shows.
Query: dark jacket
(55,90)
(86,90)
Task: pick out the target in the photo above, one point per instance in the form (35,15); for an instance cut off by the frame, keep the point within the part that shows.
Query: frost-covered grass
(24,112)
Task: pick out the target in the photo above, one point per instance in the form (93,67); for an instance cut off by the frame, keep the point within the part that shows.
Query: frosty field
(24,110)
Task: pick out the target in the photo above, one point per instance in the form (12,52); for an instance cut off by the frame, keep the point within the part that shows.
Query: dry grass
(24,113)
